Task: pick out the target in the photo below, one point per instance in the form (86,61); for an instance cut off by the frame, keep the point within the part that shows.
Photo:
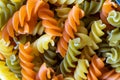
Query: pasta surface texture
(5,74)
(59,40)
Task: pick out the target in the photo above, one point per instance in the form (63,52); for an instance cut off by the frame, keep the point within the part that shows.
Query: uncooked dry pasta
(59,40)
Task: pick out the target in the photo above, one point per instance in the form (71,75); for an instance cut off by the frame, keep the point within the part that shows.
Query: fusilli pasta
(70,57)
(25,62)
(96,31)
(70,27)
(13,64)
(113,58)
(59,40)
(113,18)
(22,23)
(49,22)
(94,69)
(108,6)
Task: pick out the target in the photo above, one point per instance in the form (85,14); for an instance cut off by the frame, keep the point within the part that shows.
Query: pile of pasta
(59,40)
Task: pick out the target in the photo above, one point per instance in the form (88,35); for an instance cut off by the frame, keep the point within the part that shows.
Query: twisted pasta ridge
(22,23)
(67,2)
(44,73)
(14,66)
(113,18)
(108,6)
(96,31)
(5,74)
(87,53)
(113,37)
(25,62)
(87,41)
(39,29)
(41,44)
(49,22)
(7,8)
(70,28)
(62,12)
(92,7)
(113,58)
(50,57)
(94,69)
(110,75)
(81,69)
(6,49)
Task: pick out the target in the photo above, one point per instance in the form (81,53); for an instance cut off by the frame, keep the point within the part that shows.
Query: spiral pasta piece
(6,49)
(113,18)
(94,69)
(41,44)
(110,75)
(114,37)
(81,70)
(67,2)
(5,74)
(44,73)
(108,6)
(113,58)
(7,8)
(87,53)
(92,7)
(70,28)
(70,57)
(49,22)
(96,31)
(22,23)
(14,66)
(25,62)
